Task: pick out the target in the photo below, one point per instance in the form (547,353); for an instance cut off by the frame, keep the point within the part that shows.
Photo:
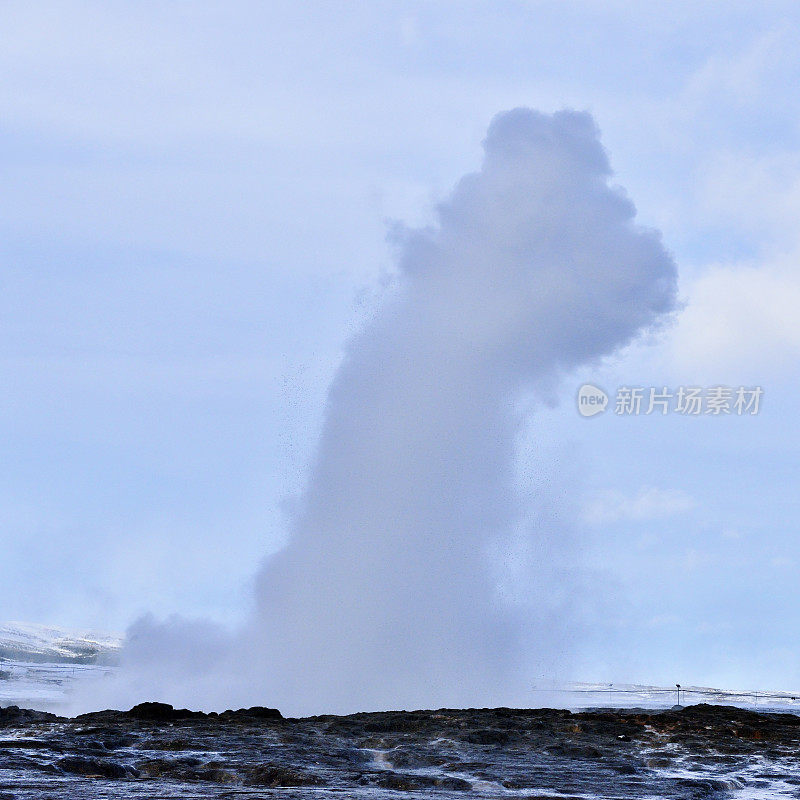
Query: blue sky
(193,221)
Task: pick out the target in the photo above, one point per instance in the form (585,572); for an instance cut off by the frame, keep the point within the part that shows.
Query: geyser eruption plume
(384,596)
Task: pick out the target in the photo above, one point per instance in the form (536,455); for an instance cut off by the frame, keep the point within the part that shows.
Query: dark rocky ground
(154,751)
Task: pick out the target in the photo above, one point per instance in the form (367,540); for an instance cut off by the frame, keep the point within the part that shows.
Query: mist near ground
(392,590)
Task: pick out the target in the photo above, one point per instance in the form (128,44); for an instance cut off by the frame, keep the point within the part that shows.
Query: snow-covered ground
(44,687)
(628,695)
(40,664)
(23,641)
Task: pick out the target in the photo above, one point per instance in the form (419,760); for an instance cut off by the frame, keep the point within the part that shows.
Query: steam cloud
(385,595)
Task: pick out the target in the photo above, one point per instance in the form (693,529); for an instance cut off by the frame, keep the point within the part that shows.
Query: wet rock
(109,738)
(274,776)
(256,712)
(697,788)
(189,769)
(169,767)
(487,736)
(162,712)
(215,775)
(176,744)
(14,715)
(573,750)
(95,768)
(216,772)
(25,744)
(158,768)
(402,758)
(115,740)
(407,782)
(374,743)
(625,768)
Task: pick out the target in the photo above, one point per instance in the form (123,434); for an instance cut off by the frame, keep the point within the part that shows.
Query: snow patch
(29,642)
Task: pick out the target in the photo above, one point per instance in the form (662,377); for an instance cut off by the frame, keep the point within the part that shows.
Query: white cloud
(740,77)
(696,559)
(755,194)
(741,316)
(663,621)
(607,506)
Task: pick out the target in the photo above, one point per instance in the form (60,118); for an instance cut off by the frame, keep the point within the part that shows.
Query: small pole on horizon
(678,686)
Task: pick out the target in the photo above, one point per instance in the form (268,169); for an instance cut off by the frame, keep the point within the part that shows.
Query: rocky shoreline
(155,751)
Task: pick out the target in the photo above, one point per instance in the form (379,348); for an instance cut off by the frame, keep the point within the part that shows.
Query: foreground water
(154,751)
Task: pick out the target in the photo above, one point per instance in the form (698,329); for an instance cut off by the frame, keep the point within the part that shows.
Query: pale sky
(195,206)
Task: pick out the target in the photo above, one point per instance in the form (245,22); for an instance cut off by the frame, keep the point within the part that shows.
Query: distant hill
(23,641)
